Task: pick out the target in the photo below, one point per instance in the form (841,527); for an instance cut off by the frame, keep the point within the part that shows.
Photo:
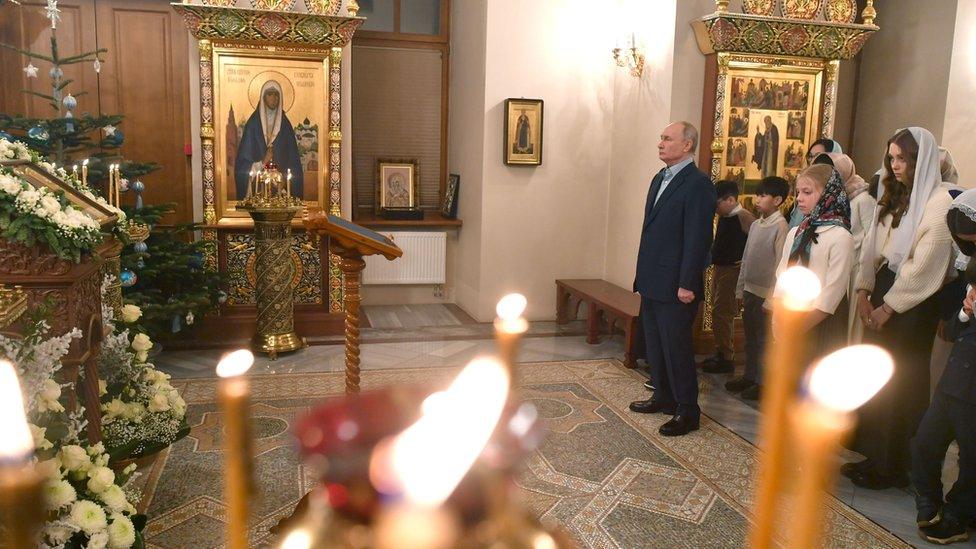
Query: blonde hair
(819,174)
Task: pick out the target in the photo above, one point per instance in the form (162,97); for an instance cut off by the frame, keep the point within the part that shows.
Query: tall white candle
(16,443)
(232,393)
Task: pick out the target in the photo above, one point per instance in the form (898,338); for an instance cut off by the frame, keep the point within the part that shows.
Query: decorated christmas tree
(163,271)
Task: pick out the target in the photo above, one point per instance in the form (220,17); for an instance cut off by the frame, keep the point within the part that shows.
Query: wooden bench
(609,301)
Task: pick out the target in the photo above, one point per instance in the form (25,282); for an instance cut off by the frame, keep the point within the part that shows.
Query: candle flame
(799,288)
(15,436)
(84,162)
(511,306)
(846,379)
(235,364)
(297,539)
(458,422)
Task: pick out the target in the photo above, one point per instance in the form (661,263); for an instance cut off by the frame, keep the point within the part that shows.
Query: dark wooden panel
(145,78)
(25,26)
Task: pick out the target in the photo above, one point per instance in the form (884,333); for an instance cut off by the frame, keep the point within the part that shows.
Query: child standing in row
(823,243)
(730,240)
(757,277)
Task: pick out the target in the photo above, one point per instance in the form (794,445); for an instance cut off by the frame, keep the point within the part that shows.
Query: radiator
(423,261)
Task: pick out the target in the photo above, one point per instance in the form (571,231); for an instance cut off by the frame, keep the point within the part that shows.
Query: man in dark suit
(673,253)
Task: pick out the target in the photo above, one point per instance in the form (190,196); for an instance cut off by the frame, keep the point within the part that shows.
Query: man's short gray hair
(689,133)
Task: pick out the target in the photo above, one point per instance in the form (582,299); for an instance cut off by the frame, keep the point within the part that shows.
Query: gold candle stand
(273,271)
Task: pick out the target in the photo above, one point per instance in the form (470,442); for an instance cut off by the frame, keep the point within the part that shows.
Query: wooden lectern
(351,242)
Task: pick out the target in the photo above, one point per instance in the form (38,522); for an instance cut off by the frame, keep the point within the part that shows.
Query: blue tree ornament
(127,278)
(38,133)
(69,102)
(140,247)
(116,138)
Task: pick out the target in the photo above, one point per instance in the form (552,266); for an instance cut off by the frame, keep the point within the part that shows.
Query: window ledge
(432,219)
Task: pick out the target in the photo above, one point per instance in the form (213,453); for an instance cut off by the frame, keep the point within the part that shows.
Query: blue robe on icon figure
(268,130)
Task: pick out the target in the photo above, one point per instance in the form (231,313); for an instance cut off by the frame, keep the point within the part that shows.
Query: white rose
(49,468)
(159,403)
(99,479)
(37,433)
(130,313)
(98,540)
(27,199)
(121,532)
(176,401)
(114,498)
(74,458)
(141,342)
(115,408)
(97,449)
(142,356)
(58,494)
(10,185)
(50,204)
(88,516)
(48,398)
(58,533)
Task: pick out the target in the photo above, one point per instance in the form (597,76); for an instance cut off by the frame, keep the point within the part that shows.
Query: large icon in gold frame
(772,112)
(270,108)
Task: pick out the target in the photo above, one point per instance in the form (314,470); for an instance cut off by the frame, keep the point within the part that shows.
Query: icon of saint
(268,136)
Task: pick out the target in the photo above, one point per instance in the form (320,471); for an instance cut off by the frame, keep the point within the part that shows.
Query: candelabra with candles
(270,203)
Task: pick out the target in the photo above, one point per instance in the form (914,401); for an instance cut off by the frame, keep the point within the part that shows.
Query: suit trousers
(668,336)
(947,419)
(724,279)
(756,321)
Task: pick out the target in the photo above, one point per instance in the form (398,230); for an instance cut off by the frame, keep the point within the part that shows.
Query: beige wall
(960,116)
(904,75)
(546,222)
(466,143)
(642,107)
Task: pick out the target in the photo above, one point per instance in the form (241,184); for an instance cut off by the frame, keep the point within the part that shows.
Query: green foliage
(173,280)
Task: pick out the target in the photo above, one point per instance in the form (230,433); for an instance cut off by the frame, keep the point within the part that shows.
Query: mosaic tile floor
(603,475)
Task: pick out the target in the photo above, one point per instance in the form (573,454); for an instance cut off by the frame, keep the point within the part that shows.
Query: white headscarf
(928,181)
(966,203)
(948,167)
(271,120)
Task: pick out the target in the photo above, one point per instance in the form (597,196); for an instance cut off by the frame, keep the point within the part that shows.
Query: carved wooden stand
(352,266)
(74,293)
(351,242)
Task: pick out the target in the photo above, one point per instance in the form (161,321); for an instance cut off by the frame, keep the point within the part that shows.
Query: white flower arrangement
(86,501)
(141,411)
(28,215)
(15,150)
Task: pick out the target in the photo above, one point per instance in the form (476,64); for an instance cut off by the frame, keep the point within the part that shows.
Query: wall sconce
(630,57)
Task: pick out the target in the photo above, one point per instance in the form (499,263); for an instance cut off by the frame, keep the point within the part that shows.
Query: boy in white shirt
(757,277)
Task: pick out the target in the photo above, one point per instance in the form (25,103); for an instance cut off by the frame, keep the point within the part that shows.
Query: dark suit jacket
(676,236)
(959,377)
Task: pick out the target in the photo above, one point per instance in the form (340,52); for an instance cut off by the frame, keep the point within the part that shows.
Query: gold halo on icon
(287,89)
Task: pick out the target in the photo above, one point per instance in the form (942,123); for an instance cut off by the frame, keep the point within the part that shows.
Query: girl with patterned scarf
(823,243)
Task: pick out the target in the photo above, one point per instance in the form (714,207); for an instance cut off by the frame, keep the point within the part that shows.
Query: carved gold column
(830,99)
(273,271)
(207,148)
(335,166)
(352,269)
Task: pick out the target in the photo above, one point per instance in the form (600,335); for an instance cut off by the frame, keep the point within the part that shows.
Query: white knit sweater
(927,267)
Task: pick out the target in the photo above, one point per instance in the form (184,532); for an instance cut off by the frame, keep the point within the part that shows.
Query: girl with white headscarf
(862,212)
(906,258)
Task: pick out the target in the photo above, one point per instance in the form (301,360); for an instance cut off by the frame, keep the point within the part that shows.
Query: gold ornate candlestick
(272,208)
